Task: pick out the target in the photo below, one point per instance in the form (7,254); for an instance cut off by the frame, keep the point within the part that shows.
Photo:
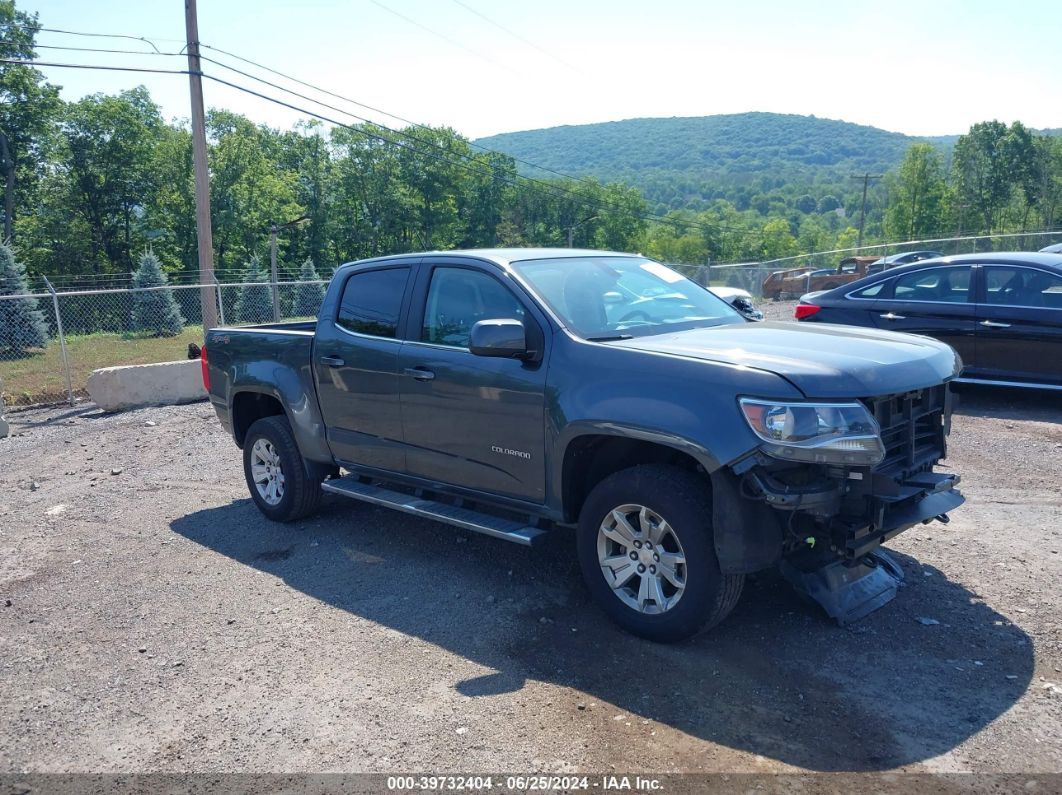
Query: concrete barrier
(134,386)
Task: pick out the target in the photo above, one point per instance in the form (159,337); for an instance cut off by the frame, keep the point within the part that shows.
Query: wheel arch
(593,451)
(249,406)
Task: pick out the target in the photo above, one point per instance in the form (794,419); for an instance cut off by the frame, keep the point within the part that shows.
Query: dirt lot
(152,620)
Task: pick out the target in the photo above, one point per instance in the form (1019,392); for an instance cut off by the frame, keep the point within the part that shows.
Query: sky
(931,67)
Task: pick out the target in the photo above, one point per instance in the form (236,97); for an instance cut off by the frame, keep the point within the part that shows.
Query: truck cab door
(472,421)
(356,360)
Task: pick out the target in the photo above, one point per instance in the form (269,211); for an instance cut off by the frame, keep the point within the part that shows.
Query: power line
(554,189)
(37,28)
(95,49)
(394,116)
(449,153)
(515,35)
(443,36)
(94,66)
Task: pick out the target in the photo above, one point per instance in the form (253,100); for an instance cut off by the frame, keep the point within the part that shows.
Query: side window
(950,285)
(372,301)
(873,291)
(1017,286)
(458,298)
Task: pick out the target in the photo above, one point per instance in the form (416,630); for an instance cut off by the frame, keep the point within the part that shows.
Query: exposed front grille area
(912,429)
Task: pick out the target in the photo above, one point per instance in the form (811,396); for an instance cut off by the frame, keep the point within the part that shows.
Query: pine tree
(308,297)
(155,311)
(255,301)
(22,324)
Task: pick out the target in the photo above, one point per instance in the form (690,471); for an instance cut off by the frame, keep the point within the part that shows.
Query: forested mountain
(685,163)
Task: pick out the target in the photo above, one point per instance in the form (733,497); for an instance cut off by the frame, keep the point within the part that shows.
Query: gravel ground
(152,620)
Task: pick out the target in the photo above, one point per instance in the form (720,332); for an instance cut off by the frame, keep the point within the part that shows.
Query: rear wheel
(647,553)
(276,473)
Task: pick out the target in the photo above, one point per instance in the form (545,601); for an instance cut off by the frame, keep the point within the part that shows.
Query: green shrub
(155,311)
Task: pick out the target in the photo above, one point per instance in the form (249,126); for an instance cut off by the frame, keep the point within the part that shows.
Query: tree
(916,191)
(22,324)
(308,297)
(155,310)
(990,161)
(111,144)
(828,203)
(806,204)
(255,301)
(27,108)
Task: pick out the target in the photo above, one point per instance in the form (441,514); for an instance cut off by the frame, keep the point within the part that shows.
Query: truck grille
(912,429)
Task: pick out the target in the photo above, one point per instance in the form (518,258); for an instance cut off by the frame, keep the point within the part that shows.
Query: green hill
(687,162)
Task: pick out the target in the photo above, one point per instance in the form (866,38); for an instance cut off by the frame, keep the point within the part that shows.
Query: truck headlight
(825,433)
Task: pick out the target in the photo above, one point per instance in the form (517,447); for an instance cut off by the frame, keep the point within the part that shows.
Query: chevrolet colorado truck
(521,392)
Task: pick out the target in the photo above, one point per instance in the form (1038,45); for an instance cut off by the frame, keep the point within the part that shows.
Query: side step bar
(478,522)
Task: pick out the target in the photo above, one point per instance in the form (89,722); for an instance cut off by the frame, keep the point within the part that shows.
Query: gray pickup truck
(517,392)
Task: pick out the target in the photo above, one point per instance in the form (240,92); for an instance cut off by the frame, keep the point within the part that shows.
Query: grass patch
(39,378)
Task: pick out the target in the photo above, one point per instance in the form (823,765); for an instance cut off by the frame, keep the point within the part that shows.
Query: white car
(740,299)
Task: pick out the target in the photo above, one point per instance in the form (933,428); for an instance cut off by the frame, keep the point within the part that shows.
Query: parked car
(740,299)
(891,261)
(523,391)
(783,285)
(1002,312)
(1055,249)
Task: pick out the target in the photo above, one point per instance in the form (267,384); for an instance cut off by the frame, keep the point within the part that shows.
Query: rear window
(372,302)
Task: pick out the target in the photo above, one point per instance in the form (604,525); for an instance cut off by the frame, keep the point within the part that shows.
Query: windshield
(603,298)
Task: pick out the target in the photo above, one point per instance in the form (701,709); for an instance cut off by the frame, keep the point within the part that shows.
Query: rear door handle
(420,373)
(332,361)
(994,324)
(891,316)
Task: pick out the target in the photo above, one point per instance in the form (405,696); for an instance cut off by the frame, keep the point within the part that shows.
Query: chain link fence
(806,267)
(50,341)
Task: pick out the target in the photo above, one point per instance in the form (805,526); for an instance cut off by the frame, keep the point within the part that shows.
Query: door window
(458,298)
(372,302)
(873,291)
(947,285)
(1017,286)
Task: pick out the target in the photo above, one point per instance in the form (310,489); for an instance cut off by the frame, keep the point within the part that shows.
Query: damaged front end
(830,483)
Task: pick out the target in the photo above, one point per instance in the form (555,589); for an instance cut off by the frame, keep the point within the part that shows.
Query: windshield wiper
(612,338)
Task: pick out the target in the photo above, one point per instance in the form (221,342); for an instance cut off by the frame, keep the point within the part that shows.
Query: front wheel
(276,473)
(647,553)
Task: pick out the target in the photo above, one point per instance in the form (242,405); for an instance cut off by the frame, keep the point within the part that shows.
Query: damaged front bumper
(824,524)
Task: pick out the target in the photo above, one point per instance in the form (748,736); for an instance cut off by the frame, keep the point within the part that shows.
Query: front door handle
(994,324)
(332,361)
(420,373)
(891,316)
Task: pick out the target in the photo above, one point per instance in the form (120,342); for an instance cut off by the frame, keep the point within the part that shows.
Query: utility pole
(576,225)
(202,174)
(863,212)
(273,275)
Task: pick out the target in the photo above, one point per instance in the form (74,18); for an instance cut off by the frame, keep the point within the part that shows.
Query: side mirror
(503,338)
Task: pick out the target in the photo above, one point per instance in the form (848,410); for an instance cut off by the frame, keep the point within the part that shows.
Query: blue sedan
(1002,312)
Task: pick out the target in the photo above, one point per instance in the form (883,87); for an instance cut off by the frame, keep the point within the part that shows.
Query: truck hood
(821,361)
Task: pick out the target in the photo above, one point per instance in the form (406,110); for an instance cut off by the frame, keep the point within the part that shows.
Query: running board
(475,521)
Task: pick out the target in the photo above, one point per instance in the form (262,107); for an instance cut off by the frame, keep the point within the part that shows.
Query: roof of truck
(504,256)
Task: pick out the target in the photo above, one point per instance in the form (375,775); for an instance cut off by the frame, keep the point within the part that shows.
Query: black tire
(683,500)
(301,493)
